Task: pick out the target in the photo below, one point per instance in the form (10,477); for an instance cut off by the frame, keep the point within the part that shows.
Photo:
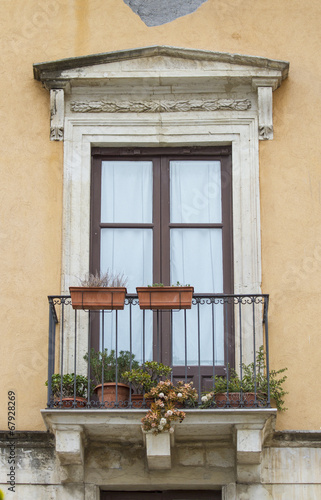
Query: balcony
(200,344)
(219,331)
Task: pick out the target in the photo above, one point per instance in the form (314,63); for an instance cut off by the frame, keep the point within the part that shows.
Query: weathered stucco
(157,12)
(31,176)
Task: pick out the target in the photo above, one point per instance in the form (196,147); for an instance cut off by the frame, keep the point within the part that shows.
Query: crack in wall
(157,12)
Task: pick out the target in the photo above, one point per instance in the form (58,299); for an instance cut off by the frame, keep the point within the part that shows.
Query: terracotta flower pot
(137,401)
(97,298)
(110,399)
(235,399)
(165,297)
(68,402)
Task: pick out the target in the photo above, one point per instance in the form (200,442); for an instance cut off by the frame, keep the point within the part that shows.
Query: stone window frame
(237,122)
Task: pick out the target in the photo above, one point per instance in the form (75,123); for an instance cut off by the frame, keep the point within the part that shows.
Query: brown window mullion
(95,201)
(165,220)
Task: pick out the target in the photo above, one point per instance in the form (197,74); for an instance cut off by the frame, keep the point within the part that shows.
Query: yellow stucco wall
(31,175)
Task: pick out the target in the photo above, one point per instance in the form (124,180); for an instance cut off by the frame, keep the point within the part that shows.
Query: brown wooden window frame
(161,225)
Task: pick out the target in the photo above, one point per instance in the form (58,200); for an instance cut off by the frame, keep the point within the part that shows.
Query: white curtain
(126,197)
(196,258)
(126,191)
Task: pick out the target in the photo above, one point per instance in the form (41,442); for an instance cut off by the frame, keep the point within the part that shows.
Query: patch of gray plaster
(157,12)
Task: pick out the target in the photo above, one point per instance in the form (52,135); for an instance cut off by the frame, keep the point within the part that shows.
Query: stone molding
(52,73)
(160,106)
(169,68)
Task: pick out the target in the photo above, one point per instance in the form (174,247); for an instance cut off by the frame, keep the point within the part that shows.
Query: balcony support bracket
(69,444)
(249,440)
(158,450)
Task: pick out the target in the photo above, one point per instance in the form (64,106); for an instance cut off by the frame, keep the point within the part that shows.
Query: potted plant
(100,291)
(163,412)
(104,367)
(144,378)
(251,390)
(65,392)
(159,296)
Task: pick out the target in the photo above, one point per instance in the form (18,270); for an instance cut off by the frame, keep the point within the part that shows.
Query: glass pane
(141,343)
(211,328)
(126,191)
(195,191)
(196,259)
(130,251)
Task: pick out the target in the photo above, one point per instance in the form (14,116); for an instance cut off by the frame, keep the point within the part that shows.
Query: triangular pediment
(157,62)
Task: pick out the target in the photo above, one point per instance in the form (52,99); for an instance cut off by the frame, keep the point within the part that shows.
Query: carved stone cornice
(160,106)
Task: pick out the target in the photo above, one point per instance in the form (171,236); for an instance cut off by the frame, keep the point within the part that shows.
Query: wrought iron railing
(220,338)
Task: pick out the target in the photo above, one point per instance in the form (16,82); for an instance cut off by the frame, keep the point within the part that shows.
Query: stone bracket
(57,114)
(158,450)
(265,87)
(69,444)
(248,446)
(249,440)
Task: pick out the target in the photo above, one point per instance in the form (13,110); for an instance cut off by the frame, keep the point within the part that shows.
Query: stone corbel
(57,114)
(158,450)
(265,87)
(70,445)
(248,442)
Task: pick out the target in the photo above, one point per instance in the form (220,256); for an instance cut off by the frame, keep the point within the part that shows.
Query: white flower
(163,421)
(161,395)
(204,399)
(171,430)
(168,413)
(160,427)
(179,395)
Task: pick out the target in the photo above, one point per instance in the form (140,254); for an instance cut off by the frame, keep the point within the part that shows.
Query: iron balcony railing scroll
(243,329)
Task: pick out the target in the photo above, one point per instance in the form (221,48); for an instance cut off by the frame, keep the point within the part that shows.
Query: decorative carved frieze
(57,114)
(160,106)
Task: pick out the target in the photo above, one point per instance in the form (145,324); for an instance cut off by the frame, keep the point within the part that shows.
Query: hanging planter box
(97,298)
(165,297)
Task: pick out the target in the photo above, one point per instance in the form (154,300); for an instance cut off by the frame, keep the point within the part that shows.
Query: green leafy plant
(254,379)
(107,279)
(68,385)
(105,363)
(146,376)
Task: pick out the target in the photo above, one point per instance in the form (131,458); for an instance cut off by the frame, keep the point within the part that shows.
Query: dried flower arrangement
(163,411)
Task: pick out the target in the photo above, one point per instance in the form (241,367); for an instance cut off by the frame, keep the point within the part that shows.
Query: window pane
(141,347)
(211,328)
(195,191)
(196,258)
(126,191)
(128,251)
